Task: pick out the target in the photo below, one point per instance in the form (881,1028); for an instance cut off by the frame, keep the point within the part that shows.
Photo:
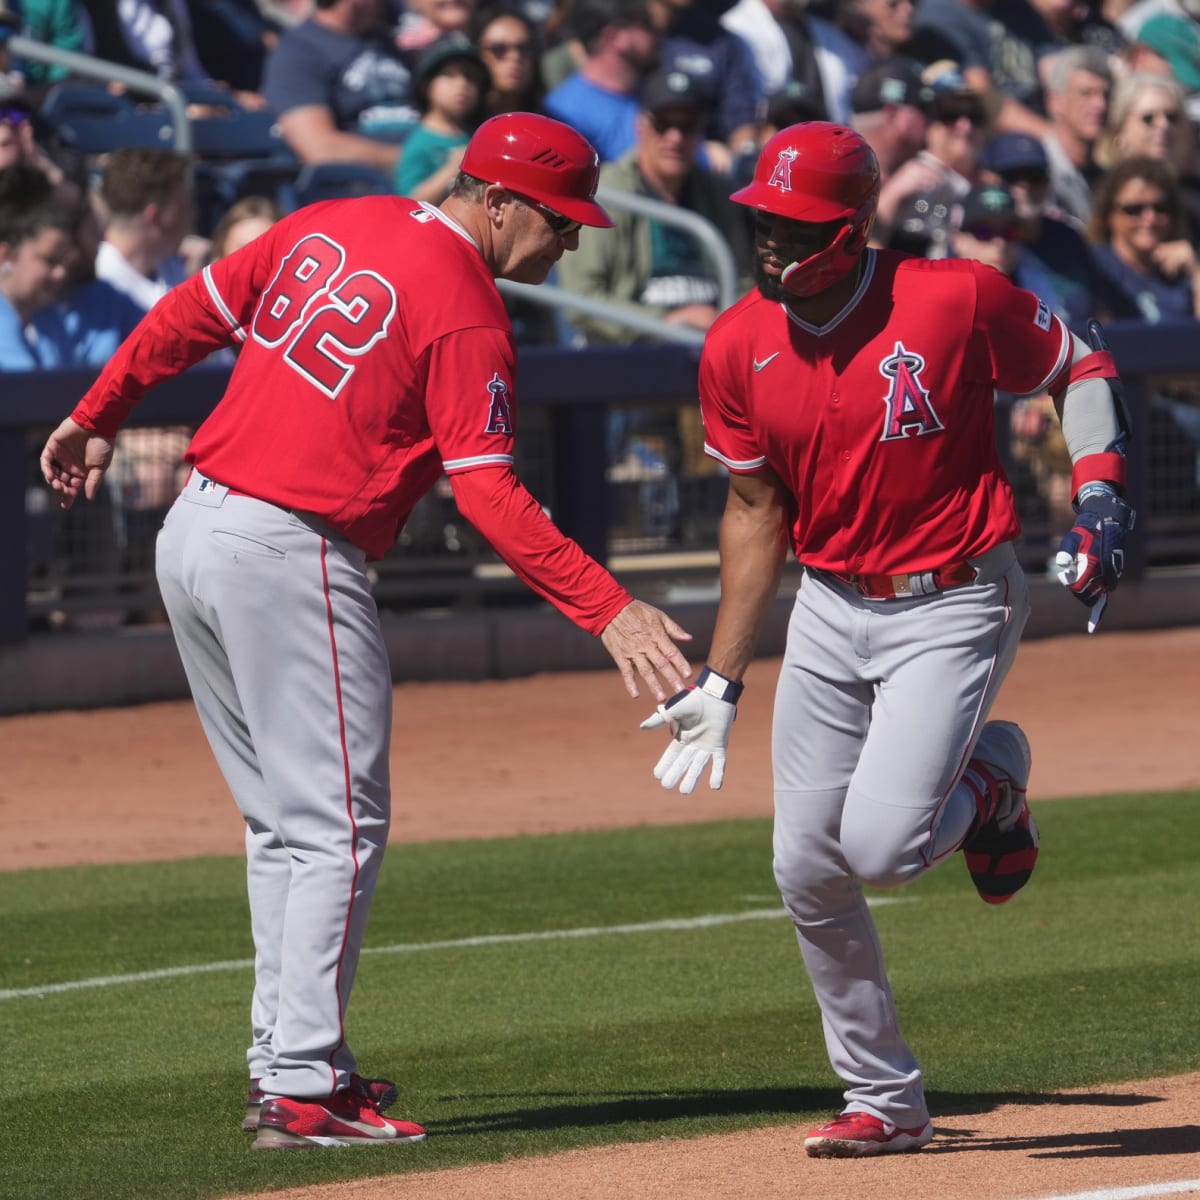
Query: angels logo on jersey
(499,413)
(781,177)
(907,402)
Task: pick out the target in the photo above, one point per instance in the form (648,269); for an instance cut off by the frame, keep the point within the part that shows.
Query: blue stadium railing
(571,394)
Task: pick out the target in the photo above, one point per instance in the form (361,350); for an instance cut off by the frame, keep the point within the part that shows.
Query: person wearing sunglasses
(376,357)
(1052,245)
(650,267)
(945,169)
(1138,234)
(508,41)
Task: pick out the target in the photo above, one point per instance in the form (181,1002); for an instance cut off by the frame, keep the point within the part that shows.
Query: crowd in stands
(1053,139)
(1073,120)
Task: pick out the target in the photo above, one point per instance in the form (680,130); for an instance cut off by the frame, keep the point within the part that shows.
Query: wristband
(716,685)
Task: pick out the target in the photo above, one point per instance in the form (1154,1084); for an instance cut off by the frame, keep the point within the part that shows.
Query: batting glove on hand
(1091,557)
(699,720)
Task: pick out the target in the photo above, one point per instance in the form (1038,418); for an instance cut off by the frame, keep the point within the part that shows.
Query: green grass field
(524,1045)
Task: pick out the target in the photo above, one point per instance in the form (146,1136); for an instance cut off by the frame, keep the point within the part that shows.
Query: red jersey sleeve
(728,436)
(471,404)
(540,554)
(1028,345)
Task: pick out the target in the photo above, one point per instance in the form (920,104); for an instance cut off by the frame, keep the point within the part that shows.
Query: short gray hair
(1091,59)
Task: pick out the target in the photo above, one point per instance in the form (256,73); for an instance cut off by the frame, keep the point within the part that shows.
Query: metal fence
(610,443)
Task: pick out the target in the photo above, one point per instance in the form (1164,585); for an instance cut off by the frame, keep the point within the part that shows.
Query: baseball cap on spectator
(671,88)
(952,96)
(989,211)
(1176,39)
(895,80)
(452,48)
(1015,156)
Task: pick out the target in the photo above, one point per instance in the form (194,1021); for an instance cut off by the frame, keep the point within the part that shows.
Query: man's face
(957,131)
(533,238)
(640,46)
(779,242)
(1083,105)
(667,141)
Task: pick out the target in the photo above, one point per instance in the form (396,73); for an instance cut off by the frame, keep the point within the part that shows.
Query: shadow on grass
(551,1111)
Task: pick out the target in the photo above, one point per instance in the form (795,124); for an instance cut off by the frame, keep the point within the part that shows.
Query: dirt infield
(1115,712)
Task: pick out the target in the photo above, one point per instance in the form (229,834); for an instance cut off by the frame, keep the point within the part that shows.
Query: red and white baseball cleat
(381,1092)
(1002,849)
(347,1118)
(860,1135)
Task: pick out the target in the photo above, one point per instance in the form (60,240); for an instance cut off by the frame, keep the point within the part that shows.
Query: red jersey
(376,354)
(881,422)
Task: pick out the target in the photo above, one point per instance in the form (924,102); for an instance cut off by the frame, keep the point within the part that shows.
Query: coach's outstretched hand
(74,460)
(641,640)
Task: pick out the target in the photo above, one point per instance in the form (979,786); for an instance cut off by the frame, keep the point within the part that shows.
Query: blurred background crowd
(1053,139)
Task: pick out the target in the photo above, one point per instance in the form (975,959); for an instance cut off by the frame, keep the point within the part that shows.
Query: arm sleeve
(540,554)
(727,434)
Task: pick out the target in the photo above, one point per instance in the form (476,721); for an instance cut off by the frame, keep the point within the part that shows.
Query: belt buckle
(902,585)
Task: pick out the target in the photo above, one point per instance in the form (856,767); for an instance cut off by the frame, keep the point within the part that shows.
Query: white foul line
(1183,1187)
(680,924)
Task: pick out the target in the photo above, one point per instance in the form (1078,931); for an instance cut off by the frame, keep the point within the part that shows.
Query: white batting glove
(699,720)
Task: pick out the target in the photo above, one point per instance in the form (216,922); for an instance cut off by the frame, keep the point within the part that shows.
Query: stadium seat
(332,181)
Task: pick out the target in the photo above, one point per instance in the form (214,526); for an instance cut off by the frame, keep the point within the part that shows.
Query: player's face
(538,236)
(779,242)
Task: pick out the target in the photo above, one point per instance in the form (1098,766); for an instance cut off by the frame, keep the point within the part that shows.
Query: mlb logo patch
(1042,320)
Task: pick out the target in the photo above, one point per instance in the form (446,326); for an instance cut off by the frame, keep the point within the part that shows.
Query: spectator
(891,103)
(35,255)
(723,67)
(57,23)
(621,45)
(988,230)
(1148,117)
(649,267)
(90,318)
(155,36)
(233,39)
(243,221)
(508,42)
(423,22)
(945,169)
(1078,82)
(148,209)
(1138,234)
(1053,246)
(1169,44)
(342,89)
(790,44)
(996,56)
(449,84)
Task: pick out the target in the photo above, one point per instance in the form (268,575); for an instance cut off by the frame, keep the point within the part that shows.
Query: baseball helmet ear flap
(818,172)
(542,159)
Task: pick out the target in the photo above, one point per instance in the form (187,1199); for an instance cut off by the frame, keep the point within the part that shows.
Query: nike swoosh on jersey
(758,366)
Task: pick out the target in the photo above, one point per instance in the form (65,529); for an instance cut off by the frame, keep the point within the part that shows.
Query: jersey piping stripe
(434,211)
(341,713)
(1063,354)
(222,307)
(749,464)
(851,304)
(479,460)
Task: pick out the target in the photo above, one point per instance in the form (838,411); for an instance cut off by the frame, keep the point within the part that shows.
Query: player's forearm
(753,550)
(539,553)
(181,329)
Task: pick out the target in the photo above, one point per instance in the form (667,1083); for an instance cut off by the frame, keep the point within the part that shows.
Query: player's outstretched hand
(74,459)
(1091,557)
(699,722)
(641,640)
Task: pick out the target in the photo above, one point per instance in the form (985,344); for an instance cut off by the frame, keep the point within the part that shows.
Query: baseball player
(851,398)
(376,354)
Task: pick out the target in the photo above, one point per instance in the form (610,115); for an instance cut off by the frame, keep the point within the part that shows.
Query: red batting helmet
(817,171)
(541,158)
